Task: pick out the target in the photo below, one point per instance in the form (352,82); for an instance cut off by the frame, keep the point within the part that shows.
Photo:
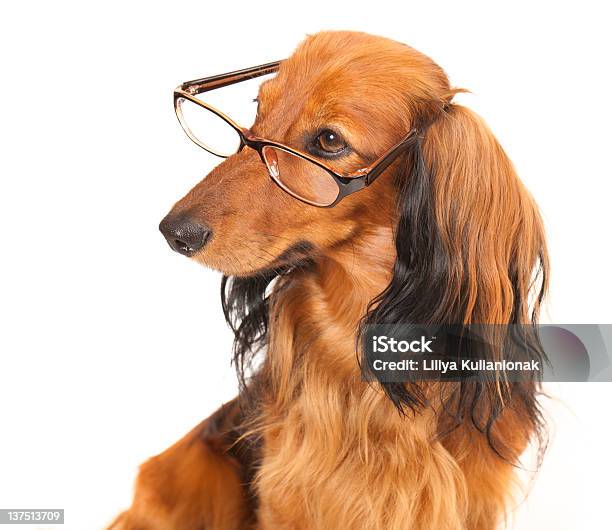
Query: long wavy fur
(451,267)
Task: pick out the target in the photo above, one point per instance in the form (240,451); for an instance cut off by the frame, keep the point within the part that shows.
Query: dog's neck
(350,276)
(315,317)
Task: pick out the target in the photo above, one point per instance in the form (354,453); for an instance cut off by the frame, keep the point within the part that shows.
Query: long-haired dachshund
(446,233)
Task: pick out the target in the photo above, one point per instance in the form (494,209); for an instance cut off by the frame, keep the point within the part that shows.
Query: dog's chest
(320,469)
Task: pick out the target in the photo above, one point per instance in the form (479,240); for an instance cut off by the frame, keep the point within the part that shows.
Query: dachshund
(448,234)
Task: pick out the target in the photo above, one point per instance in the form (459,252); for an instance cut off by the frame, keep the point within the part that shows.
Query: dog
(446,234)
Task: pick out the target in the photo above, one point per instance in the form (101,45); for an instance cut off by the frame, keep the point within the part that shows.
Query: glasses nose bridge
(247,134)
(253,141)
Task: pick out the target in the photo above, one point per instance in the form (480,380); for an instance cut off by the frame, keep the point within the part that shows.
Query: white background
(112,346)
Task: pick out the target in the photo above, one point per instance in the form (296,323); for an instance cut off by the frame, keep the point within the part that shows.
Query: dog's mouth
(299,256)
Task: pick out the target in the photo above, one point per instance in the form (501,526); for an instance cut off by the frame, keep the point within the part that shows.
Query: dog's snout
(184,235)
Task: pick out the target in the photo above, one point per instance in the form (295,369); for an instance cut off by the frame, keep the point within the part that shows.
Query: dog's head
(465,236)
(464,225)
(367,92)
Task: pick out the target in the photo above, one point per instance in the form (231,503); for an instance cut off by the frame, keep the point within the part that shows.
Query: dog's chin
(298,256)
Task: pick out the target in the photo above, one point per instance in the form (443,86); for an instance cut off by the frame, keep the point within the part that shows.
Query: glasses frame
(347,183)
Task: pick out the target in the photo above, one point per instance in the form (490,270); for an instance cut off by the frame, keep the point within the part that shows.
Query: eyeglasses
(299,174)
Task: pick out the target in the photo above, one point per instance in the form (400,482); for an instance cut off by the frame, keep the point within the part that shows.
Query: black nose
(183,235)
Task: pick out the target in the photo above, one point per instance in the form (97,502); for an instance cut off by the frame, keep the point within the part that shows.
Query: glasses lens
(207,129)
(300,177)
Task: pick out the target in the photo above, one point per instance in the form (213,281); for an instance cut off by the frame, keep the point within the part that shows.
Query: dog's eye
(330,142)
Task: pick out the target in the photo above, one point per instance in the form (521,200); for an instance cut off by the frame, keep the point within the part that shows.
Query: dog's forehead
(301,80)
(336,72)
(367,82)
(329,92)
(320,83)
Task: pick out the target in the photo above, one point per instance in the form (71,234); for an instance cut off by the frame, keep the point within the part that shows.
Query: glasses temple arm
(197,86)
(388,158)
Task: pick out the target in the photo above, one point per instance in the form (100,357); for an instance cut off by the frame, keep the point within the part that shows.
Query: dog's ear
(469,241)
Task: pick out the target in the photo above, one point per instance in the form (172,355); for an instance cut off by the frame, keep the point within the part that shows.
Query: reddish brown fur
(336,454)
(192,485)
